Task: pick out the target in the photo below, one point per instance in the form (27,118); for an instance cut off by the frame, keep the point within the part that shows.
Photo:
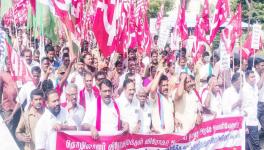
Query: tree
(155,6)
(257,10)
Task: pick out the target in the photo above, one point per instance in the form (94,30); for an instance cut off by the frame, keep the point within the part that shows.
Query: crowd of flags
(121,24)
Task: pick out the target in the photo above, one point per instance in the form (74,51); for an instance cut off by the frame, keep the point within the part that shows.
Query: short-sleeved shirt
(129,111)
(45,135)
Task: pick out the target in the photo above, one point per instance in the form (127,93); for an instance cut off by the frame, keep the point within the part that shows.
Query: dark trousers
(261,113)
(252,138)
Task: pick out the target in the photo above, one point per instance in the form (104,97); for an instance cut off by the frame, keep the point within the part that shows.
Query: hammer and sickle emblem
(110,28)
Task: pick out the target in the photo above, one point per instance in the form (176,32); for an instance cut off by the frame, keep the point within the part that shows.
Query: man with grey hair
(144,111)
(75,111)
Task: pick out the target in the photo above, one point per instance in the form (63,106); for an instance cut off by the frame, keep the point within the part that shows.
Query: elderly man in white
(75,112)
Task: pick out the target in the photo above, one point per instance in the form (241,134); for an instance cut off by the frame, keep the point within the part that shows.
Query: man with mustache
(54,119)
(25,129)
(106,116)
(162,114)
(187,105)
(129,106)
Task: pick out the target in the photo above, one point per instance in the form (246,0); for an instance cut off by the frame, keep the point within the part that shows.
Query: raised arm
(180,91)
(68,71)
(155,82)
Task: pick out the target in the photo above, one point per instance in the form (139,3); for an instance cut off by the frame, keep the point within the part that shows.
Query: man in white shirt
(75,111)
(131,69)
(205,69)
(187,106)
(144,112)
(249,95)
(23,99)
(231,97)
(129,106)
(162,113)
(54,119)
(212,98)
(87,97)
(28,58)
(106,116)
(77,76)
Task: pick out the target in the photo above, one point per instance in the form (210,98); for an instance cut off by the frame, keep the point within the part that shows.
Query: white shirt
(249,96)
(78,80)
(230,97)
(186,112)
(215,102)
(109,118)
(145,118)
(75,116)
(139,82)
(204,72)
(24,94)
(168,115)
(33,64)
(129,111)
(45,135)
(90,100)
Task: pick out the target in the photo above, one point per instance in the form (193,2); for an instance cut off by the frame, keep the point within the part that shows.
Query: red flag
(19,69)
(132,42)
(205,17)
(123,28)
(160,16)
(247,51)
(220,16)
(105,25)
(62,10)
(140,29)
(232,31)
(33,6)
(18,13)
(180,26)
(147,38)
(77,10)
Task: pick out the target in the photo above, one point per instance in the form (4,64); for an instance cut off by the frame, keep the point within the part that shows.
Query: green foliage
(154,7)
(257,10)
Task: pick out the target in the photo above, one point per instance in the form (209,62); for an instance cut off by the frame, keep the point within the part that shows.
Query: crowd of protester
(163,93)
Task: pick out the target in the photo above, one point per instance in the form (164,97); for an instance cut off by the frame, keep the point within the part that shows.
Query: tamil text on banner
(220,133)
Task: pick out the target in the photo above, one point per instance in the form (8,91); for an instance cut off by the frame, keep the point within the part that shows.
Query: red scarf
(98,114)
(198,95)
(82,96)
